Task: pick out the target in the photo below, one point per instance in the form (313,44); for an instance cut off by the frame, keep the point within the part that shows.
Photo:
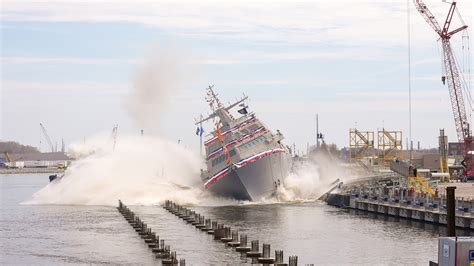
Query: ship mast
(218,109)
(212,98)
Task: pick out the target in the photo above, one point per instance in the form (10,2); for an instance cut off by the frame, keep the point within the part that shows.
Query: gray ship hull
(255,180)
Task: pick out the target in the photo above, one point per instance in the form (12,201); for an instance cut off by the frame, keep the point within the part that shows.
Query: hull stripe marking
(243,162)
(230,130)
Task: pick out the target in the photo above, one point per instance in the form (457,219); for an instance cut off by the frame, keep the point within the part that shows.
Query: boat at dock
(244,159)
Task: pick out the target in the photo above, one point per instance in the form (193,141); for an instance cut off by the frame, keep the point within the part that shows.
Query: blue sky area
(71,66)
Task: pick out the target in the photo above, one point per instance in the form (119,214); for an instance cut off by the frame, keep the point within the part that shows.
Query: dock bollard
(149,237)
(213,227)
(254,253)
(197,218)
(191,218)
(279,258)
(243,244)
(227,235)
(207,225)
(164,253)
(186,215)
(266,255)
(171,260)
(219,232)
(180,212)
(293,261)
(235,240)
(155,243)
(161,246)
(201,223)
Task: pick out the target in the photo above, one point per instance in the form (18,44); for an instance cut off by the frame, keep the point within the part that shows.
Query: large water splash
(140,170)
(312,178)
(148,170)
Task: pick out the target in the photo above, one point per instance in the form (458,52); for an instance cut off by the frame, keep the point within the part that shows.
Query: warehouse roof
(46,156)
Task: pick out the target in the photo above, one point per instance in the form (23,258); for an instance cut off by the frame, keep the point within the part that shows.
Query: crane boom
(46,136)
(7,156)
(428,16)
(452,72)
(453,79)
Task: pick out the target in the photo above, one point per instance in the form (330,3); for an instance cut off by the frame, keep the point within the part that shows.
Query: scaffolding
(361,145)
(389,146)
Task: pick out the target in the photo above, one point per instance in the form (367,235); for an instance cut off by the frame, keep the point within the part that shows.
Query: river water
(316,233)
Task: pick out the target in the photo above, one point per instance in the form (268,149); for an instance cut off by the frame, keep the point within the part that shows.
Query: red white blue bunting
(245,137)
(246,122)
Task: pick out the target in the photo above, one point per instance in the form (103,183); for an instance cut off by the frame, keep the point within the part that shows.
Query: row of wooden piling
(230,237)
(157,245)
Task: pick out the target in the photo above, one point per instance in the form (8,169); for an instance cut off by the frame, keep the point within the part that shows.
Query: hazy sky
(71,65)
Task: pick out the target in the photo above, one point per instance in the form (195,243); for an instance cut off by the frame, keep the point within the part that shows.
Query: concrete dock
(46,170)
(409,206)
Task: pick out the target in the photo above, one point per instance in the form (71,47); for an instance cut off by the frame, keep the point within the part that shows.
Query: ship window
(253,127)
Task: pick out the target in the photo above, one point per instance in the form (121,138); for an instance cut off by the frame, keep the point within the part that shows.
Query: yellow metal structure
(61,165)
(416,182)
(443,152)
(361,144)
(389,146)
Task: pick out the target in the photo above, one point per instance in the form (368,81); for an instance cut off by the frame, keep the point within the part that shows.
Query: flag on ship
(199,131)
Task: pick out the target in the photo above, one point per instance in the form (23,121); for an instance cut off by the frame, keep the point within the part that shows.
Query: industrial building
(35,160)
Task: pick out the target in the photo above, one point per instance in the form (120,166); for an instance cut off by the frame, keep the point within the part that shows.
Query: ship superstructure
(244,159)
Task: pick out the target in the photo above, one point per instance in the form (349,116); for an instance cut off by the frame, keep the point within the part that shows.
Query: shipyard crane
(46,136)
(7,157)
(453,78)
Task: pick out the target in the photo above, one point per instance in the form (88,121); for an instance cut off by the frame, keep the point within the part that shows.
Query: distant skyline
(71,65)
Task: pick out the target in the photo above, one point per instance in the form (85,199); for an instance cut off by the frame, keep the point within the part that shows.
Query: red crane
(454,80)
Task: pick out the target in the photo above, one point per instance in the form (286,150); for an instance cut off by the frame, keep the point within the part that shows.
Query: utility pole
(317,131)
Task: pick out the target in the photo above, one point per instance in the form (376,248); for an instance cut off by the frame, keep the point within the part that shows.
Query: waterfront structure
(40,160)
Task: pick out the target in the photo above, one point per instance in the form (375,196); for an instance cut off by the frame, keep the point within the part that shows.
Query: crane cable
(441,55)
(466,64)
(409,79)
(466,61)
(465,84)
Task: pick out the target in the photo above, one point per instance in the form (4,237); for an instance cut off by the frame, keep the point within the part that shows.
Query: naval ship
(244,159)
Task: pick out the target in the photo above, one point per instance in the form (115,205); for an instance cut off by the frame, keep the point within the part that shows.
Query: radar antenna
(211,98)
